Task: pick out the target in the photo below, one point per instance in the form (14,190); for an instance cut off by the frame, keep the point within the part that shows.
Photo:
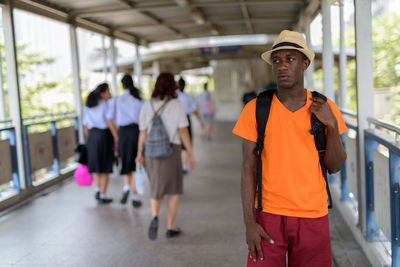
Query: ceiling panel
(172,19)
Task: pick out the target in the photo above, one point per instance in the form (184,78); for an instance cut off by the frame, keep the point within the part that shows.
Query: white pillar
(104,50)
(327,54)
(365,89)
(156,69)
(310,69)
(138,68)
(342,59)
(2,99)
(13,87)
(114,56)
(76,79)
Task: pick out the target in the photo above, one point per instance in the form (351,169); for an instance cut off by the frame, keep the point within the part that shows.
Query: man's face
(288,67)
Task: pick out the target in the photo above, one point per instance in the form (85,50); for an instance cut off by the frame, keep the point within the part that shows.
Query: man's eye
(291,59)
(275,61)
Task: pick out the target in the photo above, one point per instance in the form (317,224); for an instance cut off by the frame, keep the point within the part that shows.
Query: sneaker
(173,233)
(153,228)
(136,203)
(105,200)
(97,195)
(124,197)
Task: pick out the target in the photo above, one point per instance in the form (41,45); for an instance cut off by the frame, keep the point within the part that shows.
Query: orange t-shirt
(292,180)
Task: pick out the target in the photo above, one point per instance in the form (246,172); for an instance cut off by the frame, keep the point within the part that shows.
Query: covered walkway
(64,226)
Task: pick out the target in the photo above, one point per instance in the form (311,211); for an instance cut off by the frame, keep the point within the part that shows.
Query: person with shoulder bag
(163,124)
(290,139)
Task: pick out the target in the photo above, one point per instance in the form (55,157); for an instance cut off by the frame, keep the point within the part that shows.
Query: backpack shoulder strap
(263,107)
(318,130)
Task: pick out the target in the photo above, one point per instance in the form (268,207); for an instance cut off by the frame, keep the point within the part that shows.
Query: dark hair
(127,83)
(206,86)
(93,98)
(181,84)
(165,86)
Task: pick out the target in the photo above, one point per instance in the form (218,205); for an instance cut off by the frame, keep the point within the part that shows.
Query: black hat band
(287,44)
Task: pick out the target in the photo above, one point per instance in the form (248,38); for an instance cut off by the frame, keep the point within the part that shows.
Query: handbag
(141,179)
(81,154)
(82,175)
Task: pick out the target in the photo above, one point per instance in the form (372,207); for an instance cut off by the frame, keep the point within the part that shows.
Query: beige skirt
(165,174)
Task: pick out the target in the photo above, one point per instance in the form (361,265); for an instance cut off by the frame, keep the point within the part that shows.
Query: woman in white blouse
(100,140)
(165,174)
(125,115)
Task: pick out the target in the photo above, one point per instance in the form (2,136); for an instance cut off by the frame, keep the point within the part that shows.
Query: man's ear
(306,63)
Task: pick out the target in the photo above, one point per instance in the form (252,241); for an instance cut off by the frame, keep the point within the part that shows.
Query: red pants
(306,240)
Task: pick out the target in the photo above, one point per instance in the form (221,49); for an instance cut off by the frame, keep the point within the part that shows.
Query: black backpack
(263,106)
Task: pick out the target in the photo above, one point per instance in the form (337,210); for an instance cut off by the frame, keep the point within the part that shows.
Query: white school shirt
(201,101)
(95,117)
(124,109)
(189,104)
(173,116)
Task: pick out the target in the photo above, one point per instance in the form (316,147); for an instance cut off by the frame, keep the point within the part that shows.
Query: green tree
(35,96)
(386,60)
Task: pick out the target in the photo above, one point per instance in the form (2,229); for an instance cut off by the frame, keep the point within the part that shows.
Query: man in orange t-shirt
(294,216)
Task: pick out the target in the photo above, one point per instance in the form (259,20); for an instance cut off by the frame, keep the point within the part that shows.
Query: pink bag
(82,176)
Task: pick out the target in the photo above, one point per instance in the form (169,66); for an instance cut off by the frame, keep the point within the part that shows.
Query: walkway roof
(147,21)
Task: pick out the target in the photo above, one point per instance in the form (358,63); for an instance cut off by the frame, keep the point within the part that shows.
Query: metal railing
(387,135)
(14,160)
(53,129)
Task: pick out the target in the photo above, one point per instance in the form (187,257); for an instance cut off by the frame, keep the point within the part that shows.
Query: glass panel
(44,64)
(93,58)
(386,59)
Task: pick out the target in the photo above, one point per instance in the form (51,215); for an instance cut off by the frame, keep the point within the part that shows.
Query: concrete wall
(230,77)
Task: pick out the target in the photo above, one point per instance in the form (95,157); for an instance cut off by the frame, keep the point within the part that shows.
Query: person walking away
(207,110)
(165,173)
(291,215)
(100,141)
(125,116)
(248,95)
(189,104)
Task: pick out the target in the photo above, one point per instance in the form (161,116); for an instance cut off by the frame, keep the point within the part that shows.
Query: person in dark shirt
(248,95)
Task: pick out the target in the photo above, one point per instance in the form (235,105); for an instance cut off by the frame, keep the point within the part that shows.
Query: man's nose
(282,65)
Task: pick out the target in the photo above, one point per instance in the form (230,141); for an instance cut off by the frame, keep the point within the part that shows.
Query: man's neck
(293,98)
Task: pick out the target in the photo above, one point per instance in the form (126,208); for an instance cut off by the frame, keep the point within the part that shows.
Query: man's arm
(254,231)
(335,154)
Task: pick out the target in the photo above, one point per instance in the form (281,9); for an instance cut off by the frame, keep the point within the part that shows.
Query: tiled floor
(67,228)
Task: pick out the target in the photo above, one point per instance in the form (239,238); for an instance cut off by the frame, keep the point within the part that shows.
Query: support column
(138,68)
(342,60)
(310,69)
(104,50)
(156,69)
(327,54)
(13,87)
(3,115)
(114,55)
(76,80)
(365,91)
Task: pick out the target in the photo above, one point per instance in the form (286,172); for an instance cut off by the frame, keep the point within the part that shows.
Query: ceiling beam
(147,14)
(309,11)
(220,20)
(61,14)
(198,16)
(108,9)
(246,16)
(250,2)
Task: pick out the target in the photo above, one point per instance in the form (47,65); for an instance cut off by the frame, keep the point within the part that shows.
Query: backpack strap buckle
(257,150)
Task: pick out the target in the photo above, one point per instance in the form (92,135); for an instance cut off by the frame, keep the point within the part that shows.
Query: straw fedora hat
(289,40)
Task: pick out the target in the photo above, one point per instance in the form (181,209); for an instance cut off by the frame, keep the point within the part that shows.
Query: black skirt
(100,150)
(190,131)
(128,145)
